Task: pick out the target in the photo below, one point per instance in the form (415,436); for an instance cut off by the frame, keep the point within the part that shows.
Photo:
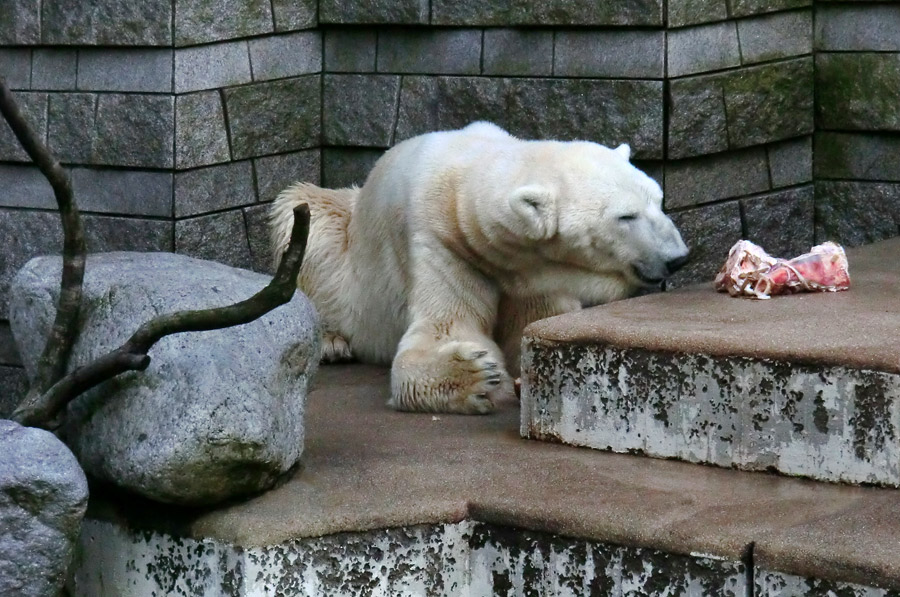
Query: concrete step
(804,385)
(397,504)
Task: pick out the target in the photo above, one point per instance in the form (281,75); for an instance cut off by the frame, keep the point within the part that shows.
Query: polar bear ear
(623,150)
(536,207)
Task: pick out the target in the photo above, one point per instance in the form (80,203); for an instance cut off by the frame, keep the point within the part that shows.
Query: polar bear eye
(628,217)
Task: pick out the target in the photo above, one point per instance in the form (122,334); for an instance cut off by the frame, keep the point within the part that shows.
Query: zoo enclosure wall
(774,120)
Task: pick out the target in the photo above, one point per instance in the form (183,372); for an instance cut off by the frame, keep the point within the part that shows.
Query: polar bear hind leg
(324,274)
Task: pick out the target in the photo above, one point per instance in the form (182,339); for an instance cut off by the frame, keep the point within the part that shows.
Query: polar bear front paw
(473,373)
(461,377)
(335,349)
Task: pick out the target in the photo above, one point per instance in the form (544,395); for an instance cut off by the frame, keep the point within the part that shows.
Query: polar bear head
(598,220)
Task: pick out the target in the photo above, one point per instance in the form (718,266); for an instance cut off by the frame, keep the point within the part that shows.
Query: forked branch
(133,354)
(52,390)
(55,358)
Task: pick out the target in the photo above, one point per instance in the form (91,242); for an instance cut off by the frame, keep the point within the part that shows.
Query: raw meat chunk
(750,271)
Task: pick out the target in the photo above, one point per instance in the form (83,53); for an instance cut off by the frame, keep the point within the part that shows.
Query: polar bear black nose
(673,265)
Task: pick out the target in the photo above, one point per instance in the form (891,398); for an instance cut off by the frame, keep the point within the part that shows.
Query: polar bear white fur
(458,240)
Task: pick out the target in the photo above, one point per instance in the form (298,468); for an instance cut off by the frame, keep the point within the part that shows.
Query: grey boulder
(43,496)
(217,414)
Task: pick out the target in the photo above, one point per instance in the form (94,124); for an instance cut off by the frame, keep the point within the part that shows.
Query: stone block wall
(717,103)
(857,140)
(181,119)
(178,120)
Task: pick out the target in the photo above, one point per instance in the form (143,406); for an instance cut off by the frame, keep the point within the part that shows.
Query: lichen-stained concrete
(367,468)
(777,584)
(827,423)
(464,559)
(805,385)
(418,560)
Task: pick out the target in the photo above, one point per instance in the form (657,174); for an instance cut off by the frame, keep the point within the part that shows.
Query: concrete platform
(401,504)
(805,385)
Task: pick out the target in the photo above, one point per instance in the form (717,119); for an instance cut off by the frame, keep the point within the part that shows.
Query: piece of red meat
(750,271)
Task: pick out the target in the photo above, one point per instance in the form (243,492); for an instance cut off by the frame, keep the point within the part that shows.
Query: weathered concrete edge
(464,558)
(633,401)
(770,583)
(158,520)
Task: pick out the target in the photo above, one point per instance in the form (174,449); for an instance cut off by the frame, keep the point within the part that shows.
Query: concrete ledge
(806,385)
(375,482)
(447,560)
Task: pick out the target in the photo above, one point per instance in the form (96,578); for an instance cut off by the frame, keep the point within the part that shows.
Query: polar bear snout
(673,265)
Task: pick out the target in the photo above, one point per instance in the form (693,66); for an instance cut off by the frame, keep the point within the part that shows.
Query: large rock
(43,496)
(217,414)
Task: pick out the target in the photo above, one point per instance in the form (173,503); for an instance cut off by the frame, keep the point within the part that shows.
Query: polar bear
(458,240)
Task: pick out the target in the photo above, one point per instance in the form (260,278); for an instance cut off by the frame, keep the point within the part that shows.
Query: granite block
(218,237)
(432,51)
(125,69)
(856,28)
(15,66)
(262,259)
(214,188)
(693,12)
(291,15)
(746,8)
(71,118)
(202,21)
(134,130)
(34,108)
(371,12)
(614,54)
(606,111)
(22,22)
(201,137)
(212,66)
(857,213)
(112,129)
(781,222)
(54,69)
(25,234)
(518,52)
(779,35)
(108,233)
(347,167)
(860,156)
(128,192)
(712,178)
(274,117)
(858,91)
(703,48)
(25,186)
(279,56)
(107,22)
(350,50)
(709,231)
(769,103)
(547,12)
(791,162)
(359,110)
(697,117)
(29,233)
(112,191)
(275,173)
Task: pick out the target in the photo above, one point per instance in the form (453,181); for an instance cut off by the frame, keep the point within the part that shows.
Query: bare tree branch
(42,411)
(55,358)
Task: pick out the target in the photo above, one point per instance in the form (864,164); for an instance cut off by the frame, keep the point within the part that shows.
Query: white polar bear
(458,240)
